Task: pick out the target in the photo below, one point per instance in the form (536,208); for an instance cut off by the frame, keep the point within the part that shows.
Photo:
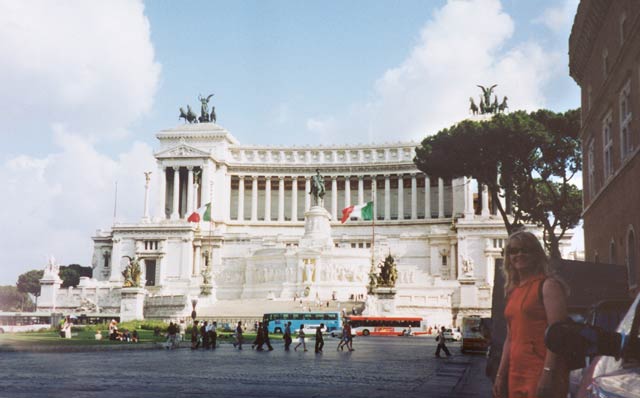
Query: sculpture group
(205,117)
(486,105)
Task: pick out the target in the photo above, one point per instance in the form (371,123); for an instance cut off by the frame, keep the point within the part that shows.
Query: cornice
(586,27)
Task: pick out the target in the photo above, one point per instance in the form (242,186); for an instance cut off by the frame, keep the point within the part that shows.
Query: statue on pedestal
(388,273)
(132,273)
(317,188)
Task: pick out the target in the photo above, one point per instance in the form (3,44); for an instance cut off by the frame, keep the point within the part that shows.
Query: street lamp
(194,302)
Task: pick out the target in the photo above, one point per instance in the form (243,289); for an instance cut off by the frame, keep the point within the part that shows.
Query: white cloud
(87,65)
(559,18)
(53,205)
(74,74)
(462,45)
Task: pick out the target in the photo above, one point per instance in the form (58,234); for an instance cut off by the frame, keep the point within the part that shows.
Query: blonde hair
(537,256)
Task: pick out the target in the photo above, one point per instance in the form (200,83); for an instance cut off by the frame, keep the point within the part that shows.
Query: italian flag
(201,214)
(362,212)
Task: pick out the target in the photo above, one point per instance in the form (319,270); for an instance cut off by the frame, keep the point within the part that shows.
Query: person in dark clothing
(238,337)
(195,342)
(204,336)
(259,341)
(441,344)
(287,336)
(265,336)
(319,338)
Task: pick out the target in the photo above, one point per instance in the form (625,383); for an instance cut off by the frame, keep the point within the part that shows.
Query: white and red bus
(386,325)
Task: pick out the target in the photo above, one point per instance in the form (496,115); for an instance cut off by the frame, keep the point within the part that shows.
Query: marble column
(240,198)
(347,191)
(485,201)
(387,196)
(254,198)
(307,195)
(294,198)
(162,192)
(453,262)
(414,197)
(427,197)
(267,198)
(468,198)
(189,191)
(280,198)
(197,259)
(400,197)
(440,198)
(147,176)
(360,189)
(374,196)
(334,197)
(175,214)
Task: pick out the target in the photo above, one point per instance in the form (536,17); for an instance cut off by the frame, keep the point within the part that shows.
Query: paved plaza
(379,367)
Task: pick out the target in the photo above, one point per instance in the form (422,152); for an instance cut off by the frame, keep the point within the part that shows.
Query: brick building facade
(604,59)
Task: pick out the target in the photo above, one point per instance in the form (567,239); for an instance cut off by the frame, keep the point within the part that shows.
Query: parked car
(606,315)
(452,335)
(615,370)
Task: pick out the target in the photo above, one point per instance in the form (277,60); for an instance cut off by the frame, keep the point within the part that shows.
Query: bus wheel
(365,332)
(278,330)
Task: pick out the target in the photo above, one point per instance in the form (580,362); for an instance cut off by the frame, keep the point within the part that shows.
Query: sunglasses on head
(519,250)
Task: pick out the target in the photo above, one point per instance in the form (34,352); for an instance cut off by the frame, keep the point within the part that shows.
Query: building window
(626,144)
(607,145)
(612,252)
(444,261)
(591,169)
(632,262)
(106,257)
(605,63)
(498,243)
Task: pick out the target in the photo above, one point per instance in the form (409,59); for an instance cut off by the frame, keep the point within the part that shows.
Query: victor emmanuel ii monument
(270,230)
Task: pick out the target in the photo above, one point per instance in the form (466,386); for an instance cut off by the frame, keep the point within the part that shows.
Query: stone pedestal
(132,303)
(381,302)
(49,286)
(317,230)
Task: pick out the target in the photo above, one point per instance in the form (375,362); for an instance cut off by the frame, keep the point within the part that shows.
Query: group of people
(204,335)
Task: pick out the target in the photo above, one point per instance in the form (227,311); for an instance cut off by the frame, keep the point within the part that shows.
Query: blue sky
(86,85)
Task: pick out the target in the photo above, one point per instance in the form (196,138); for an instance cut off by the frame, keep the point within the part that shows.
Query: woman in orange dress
(535,299)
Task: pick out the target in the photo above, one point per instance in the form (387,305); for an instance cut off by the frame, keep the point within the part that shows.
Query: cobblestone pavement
(380,367)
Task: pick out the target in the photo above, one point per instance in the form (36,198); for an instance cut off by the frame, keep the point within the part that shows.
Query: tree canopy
(29,282)
(527,159)
(71,274)
(11,299)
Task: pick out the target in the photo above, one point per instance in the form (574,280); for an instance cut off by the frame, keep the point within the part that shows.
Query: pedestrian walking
(319,338)
(535,298)
(172,332)
(287,336)
(347,338)
(442,343)
(195,336)
(259,341)
(265,335)
(238,336)
(301,340)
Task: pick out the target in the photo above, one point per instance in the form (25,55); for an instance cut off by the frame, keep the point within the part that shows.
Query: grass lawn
(86,338)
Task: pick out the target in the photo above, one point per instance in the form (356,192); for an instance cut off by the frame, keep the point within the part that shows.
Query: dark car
(606,315)
(615,370)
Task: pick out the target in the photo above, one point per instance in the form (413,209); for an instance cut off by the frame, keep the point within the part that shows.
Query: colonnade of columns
(336,197)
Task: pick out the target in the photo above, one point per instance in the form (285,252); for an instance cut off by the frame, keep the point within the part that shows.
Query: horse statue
(212,117)
(189,116)
(494,106)
(473,107)
(486,92)
(317,187)
(503,105)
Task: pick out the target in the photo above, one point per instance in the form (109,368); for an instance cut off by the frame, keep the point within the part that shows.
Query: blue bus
(277,321)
